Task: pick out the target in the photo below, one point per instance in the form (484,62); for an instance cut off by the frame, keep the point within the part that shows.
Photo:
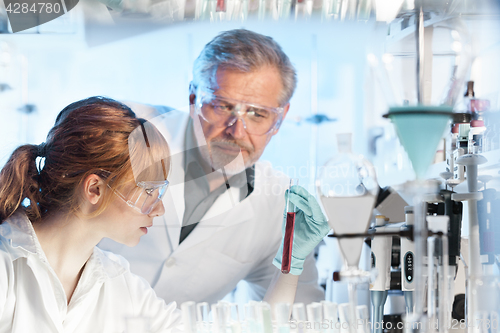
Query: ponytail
(18,181)
(89,135)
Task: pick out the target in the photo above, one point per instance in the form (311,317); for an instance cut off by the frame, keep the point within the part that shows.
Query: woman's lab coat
(32,299)
(234,241)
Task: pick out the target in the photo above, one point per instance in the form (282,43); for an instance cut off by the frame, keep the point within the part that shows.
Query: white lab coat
(234,241)
(32,299)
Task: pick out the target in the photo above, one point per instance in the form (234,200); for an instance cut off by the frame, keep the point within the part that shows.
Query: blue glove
(311,227)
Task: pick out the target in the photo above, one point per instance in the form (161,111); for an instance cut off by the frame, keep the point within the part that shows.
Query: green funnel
(419,130)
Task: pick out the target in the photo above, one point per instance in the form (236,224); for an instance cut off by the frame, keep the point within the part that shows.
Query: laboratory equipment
(362,319)
(348,10)
(220,317)
(299,313)
(221,10)
(264,317)
(487,210)
(452,146)
(281,9)
(189,316)
(438,302)
(289,228)
(420,112)
(471,162)
(407,262)
(475,106)
(346,324)
(444,205)
(331,316)
(315,316)
(381,261)
(411,124)
(303,9)
(476,135)
(282,316)
(347,187)
(202,315)
(463,137)
(390,204)
(251,317)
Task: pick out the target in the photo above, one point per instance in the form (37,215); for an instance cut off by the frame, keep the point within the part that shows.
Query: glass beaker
(347,187)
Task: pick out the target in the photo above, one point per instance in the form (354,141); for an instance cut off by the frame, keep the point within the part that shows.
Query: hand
(311,227)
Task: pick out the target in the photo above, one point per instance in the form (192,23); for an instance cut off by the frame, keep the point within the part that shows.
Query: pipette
(286,261)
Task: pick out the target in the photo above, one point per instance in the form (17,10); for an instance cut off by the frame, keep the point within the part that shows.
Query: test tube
(299,312)
(262,10)
(202,313)
(345,323)
(362,318)
(221,315)
(221,6)
(303,9)
(282,315)
(331,316)
(251,317)
(264,317)
(289,221)
(202,310)
(315,316)
(189,316)
(234,318)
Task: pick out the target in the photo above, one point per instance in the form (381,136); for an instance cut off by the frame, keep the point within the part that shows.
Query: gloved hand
(311,227)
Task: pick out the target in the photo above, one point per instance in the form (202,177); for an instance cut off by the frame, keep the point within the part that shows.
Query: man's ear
(93,189)
(285,111)
(192,99)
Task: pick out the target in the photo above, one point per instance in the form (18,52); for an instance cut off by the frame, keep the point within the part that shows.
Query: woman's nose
(158,210)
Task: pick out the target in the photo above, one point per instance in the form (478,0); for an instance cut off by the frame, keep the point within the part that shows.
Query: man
(224,209)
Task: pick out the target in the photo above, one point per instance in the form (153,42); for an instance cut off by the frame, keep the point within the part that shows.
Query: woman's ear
(93,188)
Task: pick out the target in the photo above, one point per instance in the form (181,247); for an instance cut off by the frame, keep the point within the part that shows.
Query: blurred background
(143,51)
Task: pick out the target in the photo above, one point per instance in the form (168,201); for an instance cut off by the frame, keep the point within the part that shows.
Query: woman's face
(125,224)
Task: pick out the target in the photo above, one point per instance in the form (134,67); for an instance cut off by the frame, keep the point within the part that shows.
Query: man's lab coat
(234,240)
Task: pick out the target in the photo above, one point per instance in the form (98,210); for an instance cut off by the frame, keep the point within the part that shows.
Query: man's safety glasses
(225,112)
(145,196)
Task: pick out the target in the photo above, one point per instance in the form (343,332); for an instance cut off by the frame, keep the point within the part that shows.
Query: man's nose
(237,130)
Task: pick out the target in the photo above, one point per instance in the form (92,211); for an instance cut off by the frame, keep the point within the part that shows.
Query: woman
(101,173)
(99,179)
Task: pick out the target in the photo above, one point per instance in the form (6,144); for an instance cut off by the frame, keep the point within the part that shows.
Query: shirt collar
(19,233)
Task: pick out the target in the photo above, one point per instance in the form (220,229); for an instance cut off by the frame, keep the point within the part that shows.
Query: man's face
(262,87)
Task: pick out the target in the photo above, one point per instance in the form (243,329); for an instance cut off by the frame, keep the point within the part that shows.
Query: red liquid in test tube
(286,260)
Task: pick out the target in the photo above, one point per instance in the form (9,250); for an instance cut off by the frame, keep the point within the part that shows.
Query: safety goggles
(225,112)
(145,196)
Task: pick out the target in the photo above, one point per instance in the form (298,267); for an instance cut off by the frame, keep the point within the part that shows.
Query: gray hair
(245,51)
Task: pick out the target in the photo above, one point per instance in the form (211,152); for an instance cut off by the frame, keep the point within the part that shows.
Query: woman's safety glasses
(145,196)
(225,112)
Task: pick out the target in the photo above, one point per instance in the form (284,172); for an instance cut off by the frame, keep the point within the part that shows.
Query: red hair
(89,136)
